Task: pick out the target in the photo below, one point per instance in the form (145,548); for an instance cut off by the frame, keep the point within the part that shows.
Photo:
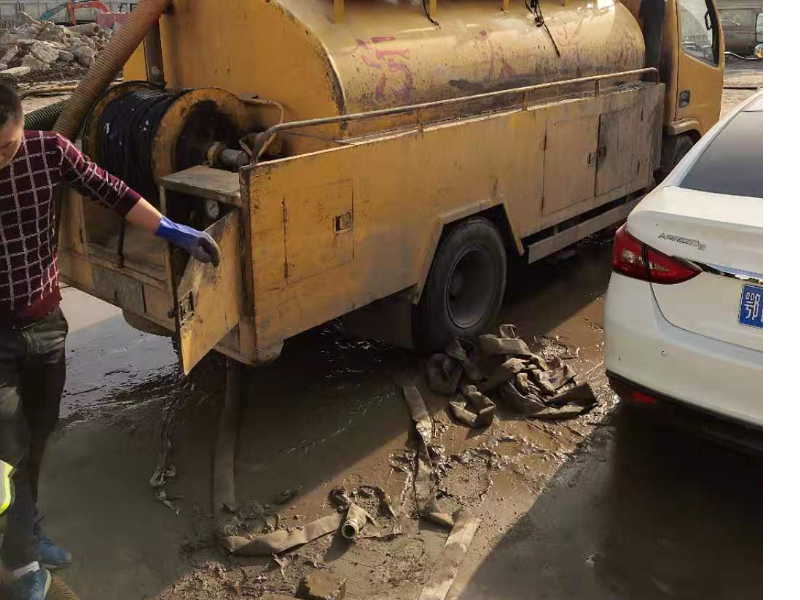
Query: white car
(685,303)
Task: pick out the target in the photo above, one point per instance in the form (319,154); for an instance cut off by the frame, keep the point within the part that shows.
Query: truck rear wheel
(675,147)
(465,286)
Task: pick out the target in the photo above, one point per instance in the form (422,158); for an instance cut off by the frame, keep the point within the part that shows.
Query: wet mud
(328,414)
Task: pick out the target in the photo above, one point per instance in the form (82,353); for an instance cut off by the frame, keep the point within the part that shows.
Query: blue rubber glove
(197,243)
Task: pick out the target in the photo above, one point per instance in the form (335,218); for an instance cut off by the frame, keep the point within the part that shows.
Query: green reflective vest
(6,492)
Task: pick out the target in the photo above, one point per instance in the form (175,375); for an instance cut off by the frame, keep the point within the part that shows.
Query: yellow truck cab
(380,160)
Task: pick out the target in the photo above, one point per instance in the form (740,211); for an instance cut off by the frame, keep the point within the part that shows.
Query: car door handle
(684,98)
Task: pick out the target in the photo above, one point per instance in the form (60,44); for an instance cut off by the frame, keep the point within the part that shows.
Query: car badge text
(682,240)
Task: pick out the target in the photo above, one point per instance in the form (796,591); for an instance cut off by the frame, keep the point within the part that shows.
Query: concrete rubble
(42,47)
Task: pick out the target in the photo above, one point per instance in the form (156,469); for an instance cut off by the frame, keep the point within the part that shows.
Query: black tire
(675,148)
(465,286)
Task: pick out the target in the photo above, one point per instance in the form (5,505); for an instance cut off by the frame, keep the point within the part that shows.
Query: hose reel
(141,132)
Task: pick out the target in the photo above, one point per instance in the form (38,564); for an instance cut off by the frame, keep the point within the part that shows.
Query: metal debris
(355,521)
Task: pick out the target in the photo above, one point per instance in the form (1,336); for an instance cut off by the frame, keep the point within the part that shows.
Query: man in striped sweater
(33,164)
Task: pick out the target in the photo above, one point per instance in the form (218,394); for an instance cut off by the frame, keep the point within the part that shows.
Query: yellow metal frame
(418,108)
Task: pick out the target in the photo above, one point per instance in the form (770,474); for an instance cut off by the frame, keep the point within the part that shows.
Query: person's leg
(42,383)
(19,545)
(42,386)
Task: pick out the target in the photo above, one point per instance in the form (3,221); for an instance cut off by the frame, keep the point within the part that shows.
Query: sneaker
(52,556)
(31,586)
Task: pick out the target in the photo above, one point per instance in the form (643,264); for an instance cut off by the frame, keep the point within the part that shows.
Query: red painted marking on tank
(381,54)
(396,81)
(507,70)
(384,38)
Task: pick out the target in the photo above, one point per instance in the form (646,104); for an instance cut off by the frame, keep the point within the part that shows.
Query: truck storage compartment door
(208,299)
(570,162)
(618,156)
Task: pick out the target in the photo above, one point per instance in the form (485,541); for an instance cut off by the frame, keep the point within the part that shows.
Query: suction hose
(44,118)
(108,64)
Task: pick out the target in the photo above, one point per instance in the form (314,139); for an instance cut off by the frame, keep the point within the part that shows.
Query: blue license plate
(751,306)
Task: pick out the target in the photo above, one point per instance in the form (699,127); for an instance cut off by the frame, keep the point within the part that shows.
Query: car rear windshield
(733,163)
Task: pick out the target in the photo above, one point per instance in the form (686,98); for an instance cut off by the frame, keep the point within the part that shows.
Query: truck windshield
(734,162)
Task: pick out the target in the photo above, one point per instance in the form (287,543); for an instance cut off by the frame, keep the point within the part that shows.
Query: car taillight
(635,259)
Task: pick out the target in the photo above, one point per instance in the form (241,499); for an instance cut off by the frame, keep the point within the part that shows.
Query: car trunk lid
(721,234)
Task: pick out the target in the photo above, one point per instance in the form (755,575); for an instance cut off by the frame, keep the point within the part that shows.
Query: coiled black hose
(126,129)
(44,118)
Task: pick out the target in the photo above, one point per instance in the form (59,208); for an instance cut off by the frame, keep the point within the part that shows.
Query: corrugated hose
(108,64)
(44,118)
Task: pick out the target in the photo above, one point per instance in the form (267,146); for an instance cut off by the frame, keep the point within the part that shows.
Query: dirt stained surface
(328,414)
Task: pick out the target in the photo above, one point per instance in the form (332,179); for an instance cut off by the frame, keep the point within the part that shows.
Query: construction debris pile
(531,384)
(43,47)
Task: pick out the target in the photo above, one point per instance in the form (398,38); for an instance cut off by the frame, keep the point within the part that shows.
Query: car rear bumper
(661,409)
(644,349)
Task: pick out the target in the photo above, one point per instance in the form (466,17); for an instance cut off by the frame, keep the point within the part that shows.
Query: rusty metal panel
(208,299)
(402,189)
(620,153)
(381,54)
(122,291)
(570,162)
(318,229)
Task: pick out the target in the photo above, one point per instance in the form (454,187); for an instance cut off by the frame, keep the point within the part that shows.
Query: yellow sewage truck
(375,159)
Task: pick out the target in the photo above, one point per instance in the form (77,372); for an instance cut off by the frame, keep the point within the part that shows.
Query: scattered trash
(320,585)
(462,414)
(440,518)
(503,373)
(425,486)
(161,496)
(477,411)
(165,471)
(279,541)
(465,352)
(282,564)
(384,499)
(455,549)
(339,499)
(444,374)
(540,386)
(355,521)
(508,343)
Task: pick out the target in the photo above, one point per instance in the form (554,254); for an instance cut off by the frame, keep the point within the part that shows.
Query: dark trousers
(32,373)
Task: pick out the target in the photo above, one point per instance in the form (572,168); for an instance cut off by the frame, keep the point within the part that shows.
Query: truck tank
(386,53)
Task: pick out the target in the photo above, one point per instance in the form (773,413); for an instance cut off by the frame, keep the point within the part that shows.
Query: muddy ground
(329,414)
